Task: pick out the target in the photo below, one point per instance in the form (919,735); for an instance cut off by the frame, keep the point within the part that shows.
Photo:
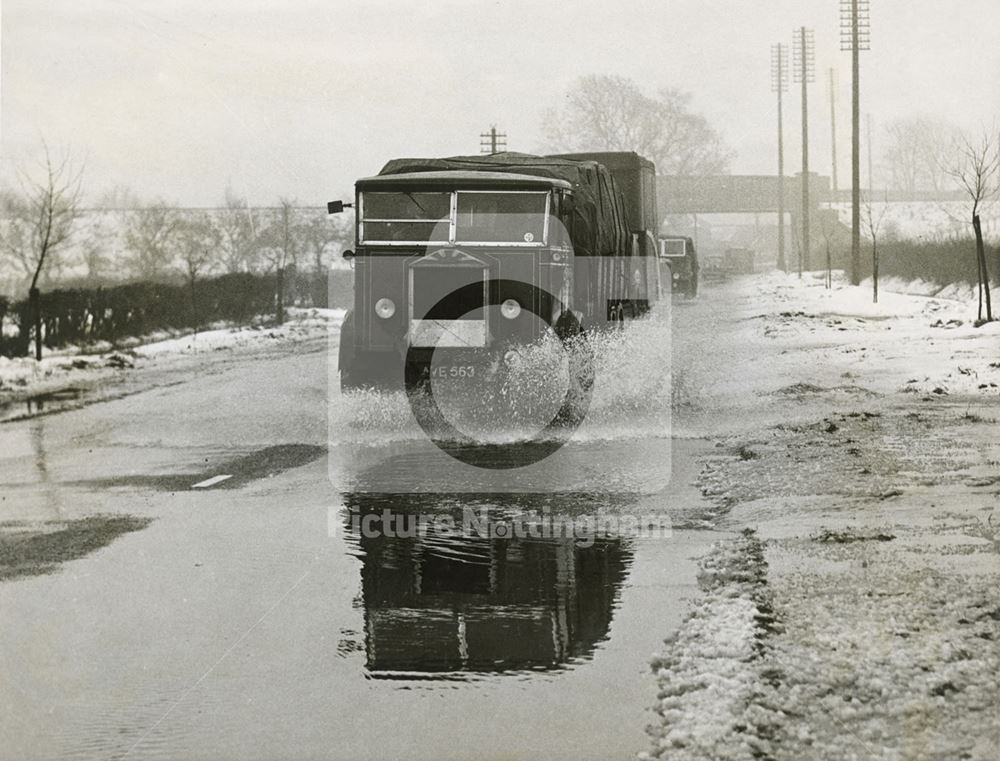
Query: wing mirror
(335,207)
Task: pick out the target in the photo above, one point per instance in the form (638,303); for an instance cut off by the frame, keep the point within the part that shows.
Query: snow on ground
(859,443)
(954,355)
(708,673)
(300,323)
(74,366)
(780,348)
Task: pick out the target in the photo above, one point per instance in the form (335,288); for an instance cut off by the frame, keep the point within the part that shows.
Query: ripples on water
(452,606)
(443,606)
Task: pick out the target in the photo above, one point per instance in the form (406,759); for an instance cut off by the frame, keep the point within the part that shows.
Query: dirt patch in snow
(846,536)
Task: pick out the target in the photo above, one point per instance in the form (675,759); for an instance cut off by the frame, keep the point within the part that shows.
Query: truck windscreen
(509,217)
(484,217)
(406,217)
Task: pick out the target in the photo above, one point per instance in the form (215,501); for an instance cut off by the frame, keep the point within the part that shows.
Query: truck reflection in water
(440,604)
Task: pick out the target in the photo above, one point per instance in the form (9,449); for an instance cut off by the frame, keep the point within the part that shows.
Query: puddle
(241,470)
(33,549)
(52,401)
(438,605)
(267,462)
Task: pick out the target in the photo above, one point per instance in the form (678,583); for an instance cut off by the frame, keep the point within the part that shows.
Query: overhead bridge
(737,194)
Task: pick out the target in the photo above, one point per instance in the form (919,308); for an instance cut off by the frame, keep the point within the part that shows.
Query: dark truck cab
(455,255)
(678,253)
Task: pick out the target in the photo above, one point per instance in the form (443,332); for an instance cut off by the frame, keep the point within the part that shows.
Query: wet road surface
(253,618)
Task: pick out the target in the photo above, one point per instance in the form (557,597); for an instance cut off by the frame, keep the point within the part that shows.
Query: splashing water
(633,380)
(631,394)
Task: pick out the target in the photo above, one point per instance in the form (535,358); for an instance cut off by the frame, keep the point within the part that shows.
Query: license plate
(454,334)
(453,371)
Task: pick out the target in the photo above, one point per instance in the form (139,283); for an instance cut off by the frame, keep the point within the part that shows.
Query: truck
(739,261)
(456,255)
(679,254)
(730,263)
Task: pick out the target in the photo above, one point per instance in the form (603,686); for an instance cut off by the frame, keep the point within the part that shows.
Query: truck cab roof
(460,179)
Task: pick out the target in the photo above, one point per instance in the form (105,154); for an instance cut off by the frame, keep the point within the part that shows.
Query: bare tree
(916,153)
(150,238)
(38,222)
(833,234)
(872,222)
(117,198)
(198,243)
(281,235)
(282,248)
(238,227)
(686,144)
(104,251)
(15,232)
(977,171)
(97,249)
(611,113)
(318,233)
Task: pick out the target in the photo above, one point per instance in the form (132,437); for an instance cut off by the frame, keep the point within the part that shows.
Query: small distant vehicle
(738,261)
(679,254)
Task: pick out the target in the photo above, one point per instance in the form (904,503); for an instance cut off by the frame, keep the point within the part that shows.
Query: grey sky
(178,98)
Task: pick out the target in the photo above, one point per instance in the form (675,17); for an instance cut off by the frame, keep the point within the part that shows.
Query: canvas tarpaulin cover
(599,227)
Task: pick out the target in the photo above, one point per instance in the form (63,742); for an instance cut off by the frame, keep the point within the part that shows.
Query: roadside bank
(866,467)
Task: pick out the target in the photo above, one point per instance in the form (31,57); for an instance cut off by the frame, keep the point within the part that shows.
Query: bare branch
(976,167)
(238,225)
(39,220)
(610,113)
(150,237)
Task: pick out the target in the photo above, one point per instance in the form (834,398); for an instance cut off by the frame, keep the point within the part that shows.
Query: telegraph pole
(492,141)
(871,181)
(803,50)
(855,36)
(779,84)
(833,127)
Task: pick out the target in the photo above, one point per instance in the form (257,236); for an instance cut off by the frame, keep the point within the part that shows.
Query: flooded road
(53,401)
(258,616)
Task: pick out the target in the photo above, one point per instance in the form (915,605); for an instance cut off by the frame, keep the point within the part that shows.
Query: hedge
(88,315)
(943,263)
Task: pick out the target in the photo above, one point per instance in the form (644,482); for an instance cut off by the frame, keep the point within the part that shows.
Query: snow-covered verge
(859,443)
(709,702)
(910,342)
(776,349)
(882,531)
(82,367)
(300,323)
(887,659)
(962,292)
